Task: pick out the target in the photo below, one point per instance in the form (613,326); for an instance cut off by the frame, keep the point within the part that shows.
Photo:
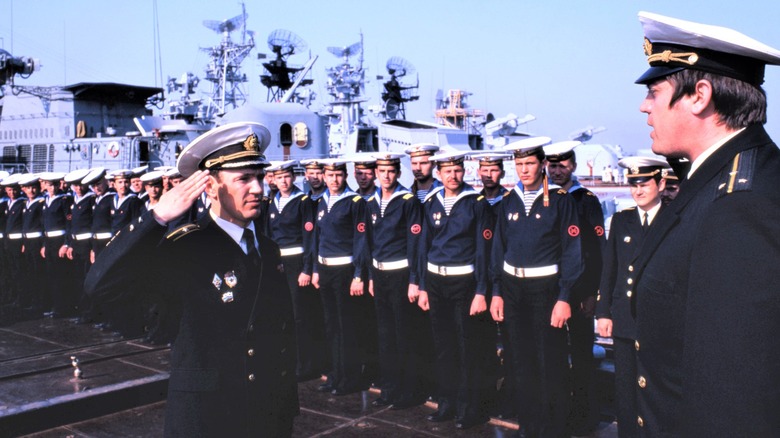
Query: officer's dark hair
(737,103)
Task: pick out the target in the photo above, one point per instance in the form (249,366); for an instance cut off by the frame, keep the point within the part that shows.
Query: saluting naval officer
(706,277)
(561,165)
(536,260)
(453,266)
(422,169)
(55,216)
(290,223)
(395,224)
(614,307)
(233,362)
(340,249)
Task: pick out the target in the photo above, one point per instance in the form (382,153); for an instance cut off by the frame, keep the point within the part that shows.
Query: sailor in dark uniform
(290,223)
(233,362)
(78,240)
(101,212)
(561,165)
(313,172)
(705,281)
(137,183)
(672,186)
(127,207)
(453,266)
(55,217)
(395,224)
(614,307)
(422,169)
(340,250)
(536,260)
(12,241)
(33,295)
(153,188)
(5,292)
(491,171)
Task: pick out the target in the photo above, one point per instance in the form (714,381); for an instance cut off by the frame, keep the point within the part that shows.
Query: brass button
(283,350)
(250,352)
(630,268)
(284,373)
(636,345)
(642,382)
(628,294)
(251,327)
(640,422)
(598,297)
(630,281)
(251,377)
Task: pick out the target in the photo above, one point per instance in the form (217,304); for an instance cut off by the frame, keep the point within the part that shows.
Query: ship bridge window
(286,135)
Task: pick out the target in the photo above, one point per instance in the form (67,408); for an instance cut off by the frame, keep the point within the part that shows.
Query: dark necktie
(251,249)
(645,225)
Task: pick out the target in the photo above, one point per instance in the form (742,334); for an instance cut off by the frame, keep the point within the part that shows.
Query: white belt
(33,235)
(391,266)
(82,236)
(56,233)
(291,251)
(103,235)
(542,271)
(450,270)
(1,235)
(15,236)
(334,261)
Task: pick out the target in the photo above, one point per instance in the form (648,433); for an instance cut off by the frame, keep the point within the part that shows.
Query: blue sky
(569,63)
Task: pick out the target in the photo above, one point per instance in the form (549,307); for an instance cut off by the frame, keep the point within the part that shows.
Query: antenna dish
(226,26)
(285,43)
(346,52)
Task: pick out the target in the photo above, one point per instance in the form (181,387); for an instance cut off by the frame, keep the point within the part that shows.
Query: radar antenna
(280,76)
(396,93)
(224,69)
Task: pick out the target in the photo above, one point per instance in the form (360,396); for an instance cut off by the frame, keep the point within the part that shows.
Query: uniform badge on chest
(320,214)
(273,215)
(437,218)
(230,280)
(373,218)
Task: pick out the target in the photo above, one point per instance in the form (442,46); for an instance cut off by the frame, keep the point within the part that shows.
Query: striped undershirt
(332,200)
(528,200)
(383,206)
(281,202)
(421,194)
(448,203)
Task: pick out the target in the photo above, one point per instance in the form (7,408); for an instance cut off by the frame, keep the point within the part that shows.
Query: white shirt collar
(650,213)
(234,231)
(709,151)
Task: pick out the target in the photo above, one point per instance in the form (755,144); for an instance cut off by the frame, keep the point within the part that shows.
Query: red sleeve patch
(308,226)
(361,227)
(574,231)
(416,228)
(599,231)
(487,234)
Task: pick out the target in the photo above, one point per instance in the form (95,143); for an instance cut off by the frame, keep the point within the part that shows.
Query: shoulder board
(371,199)
(182,231)
(738,174)
(356,198)
(305,197)
(589,193)
(480,197)
(408,196)
(629,209)
(507,193)
(562,192)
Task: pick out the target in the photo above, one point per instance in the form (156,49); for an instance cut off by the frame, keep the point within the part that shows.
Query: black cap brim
(655,73)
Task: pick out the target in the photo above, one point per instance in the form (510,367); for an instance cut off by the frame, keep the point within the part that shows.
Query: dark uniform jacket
(56,213)
(233,362)
(548,235)
(395,234)
(341,232)
(458,239)
(592,238)
(625,237)
(293,226)
(81,219)
(125,211)
(708,299)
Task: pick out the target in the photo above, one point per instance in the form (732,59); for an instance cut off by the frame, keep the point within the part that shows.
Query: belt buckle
(520,272)
(381,266)
(443,270)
